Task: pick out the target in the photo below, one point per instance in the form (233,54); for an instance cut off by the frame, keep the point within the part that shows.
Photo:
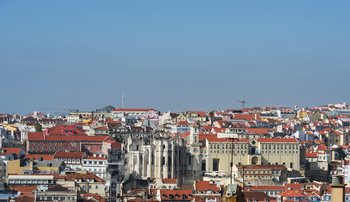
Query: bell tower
(194,130)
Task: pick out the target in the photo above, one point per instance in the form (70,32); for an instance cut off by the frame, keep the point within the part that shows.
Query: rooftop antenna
(123,100)
(241,102)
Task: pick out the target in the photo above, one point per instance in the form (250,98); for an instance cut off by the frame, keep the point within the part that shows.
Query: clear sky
(172,55)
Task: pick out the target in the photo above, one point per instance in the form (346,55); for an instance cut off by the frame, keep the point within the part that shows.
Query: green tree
(341,153)
(38,127)
(211,117)
(119,138)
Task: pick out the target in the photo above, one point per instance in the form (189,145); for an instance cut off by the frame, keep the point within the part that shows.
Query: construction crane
(241,101)
(70,110)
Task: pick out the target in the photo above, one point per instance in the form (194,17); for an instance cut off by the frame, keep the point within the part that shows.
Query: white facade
(96,165)
(346,172)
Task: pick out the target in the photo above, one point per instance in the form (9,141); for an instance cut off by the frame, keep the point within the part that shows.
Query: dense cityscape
(127,154)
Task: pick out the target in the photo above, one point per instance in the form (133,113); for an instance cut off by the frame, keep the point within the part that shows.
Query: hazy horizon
(172,55)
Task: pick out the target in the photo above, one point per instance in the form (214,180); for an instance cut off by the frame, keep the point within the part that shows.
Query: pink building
(39,143)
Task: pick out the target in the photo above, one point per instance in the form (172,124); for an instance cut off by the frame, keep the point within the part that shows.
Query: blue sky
(172,55)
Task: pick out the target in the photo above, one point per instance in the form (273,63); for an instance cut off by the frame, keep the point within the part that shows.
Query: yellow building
(200,116)
(301,114)
(10,127)
(218,152)
(84,183)
(29,166)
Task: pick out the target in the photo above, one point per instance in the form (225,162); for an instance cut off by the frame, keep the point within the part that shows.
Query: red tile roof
(36,136)
(310,154)
(25,190)
(182,123)
(95,196)
(200,113)
(167,180)
(203,186)
(247,117)
(71,177)
(59,130)
(294,186)
(10,151)
(290,193)
(219,130)
(77,138)
(101,128)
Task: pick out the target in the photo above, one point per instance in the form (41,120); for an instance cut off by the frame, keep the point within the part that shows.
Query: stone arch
(255,160)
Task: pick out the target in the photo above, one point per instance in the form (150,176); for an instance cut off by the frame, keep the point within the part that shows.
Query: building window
(215,164)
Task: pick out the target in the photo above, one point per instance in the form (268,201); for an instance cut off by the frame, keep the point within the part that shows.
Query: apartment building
(218,152)
(39,143)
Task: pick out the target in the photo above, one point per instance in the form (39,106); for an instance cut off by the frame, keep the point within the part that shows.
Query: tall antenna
(123,100)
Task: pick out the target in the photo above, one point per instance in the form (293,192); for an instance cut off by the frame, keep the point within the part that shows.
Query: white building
(96,164)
